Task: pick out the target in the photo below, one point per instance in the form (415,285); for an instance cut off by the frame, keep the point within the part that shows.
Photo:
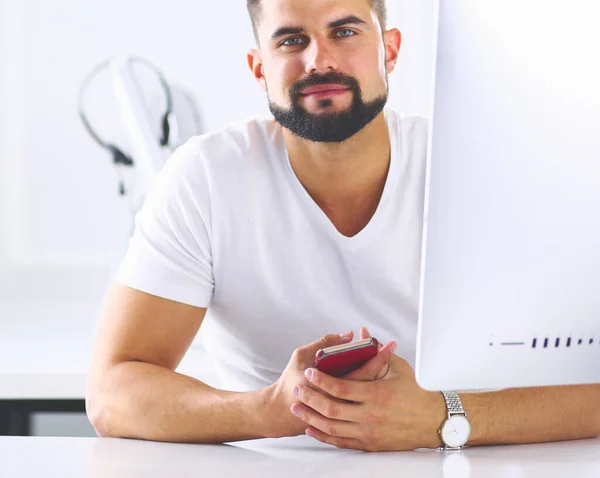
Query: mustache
(326,79)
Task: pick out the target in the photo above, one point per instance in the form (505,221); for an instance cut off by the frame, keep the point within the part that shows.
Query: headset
(168,121)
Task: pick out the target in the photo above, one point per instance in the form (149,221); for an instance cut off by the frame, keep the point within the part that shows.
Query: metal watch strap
(453,403)
(454,407)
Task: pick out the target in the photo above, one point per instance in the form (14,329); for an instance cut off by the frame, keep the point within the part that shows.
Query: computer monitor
(510,279)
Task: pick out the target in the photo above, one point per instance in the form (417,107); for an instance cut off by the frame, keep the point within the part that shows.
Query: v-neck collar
(376,221)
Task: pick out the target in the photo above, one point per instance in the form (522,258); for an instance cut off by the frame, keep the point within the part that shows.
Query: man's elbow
(96,414)
(97,411)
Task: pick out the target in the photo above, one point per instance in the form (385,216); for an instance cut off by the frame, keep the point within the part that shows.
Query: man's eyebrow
(347,20)
(286,31)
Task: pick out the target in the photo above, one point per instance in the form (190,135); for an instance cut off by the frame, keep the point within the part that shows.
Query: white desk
(114,458)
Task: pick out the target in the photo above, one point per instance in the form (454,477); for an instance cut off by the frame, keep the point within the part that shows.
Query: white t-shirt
(228,226)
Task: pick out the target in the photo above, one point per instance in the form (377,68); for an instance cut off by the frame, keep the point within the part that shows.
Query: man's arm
(133,391)
(394,413)
(532,415)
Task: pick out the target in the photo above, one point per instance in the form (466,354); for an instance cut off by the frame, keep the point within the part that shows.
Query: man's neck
(345,179)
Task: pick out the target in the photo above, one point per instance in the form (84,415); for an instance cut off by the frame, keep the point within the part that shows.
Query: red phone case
(343,362)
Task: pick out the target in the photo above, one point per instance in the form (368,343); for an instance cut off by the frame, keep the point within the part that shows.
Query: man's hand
(281,393)
(281,398)
(392,413)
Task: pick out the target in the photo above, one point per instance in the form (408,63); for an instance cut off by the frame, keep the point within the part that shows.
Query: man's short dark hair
(254,9)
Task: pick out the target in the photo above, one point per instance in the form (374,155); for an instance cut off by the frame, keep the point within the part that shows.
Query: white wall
(62,225)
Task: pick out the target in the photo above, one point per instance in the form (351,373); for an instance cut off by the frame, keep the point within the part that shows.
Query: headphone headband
(168,97)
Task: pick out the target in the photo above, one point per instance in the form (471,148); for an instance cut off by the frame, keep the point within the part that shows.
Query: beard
(328,127)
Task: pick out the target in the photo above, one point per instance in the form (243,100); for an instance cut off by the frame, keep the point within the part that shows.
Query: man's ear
(256,67)
(392,40)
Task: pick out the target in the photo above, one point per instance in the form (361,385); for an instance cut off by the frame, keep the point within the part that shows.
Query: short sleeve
(169,254)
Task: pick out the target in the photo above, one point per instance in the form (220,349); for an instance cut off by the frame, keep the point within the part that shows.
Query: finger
(349,443)
(328,406)
(375,368)
(354,391)
(307,352)
(363,333)
(334,428)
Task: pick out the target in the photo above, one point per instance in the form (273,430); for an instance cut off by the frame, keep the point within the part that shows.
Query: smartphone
(340,360)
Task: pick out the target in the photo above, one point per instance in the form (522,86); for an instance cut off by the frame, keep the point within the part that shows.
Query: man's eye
(293,41)
(345,33)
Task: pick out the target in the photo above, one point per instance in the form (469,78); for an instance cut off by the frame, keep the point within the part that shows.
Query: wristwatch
(456,429)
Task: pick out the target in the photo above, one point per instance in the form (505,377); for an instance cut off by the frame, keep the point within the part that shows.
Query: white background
(62,225)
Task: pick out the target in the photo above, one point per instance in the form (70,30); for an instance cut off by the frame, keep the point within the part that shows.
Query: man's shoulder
(417,125)
(226,155)
(237,139)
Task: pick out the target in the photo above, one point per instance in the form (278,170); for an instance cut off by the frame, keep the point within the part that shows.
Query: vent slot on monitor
(559,342)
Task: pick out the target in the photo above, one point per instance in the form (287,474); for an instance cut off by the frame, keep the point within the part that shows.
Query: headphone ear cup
(166,130)
(118,156)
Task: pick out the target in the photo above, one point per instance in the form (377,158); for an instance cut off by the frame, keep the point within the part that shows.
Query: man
(271,233)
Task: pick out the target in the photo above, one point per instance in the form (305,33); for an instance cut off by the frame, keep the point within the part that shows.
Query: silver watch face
(456,431)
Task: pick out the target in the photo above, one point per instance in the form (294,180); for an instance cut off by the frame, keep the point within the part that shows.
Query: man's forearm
(533,415)
(144,401)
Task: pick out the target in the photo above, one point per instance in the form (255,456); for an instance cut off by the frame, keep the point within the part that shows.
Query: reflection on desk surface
(289,457)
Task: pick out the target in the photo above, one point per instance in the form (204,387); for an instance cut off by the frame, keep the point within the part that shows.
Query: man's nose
(321,59)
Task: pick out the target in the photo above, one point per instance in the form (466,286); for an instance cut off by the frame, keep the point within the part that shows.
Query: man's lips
(324,90)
